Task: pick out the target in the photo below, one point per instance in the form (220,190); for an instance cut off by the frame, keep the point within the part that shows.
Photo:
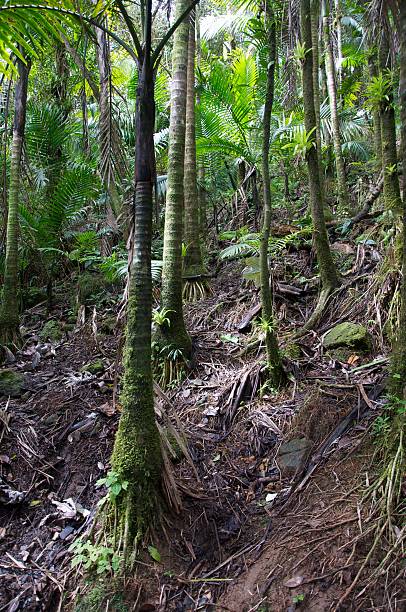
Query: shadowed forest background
(203,305)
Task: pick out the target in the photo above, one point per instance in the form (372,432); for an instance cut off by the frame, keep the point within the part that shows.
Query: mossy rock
(348,334)
(89,285)
(95,367)
(11,383)
(52,331)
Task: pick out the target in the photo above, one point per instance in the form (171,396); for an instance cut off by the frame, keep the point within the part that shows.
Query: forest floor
(252,535)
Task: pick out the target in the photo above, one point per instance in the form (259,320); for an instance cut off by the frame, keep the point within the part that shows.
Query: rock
(95,367)
(11,383)
(292,455)
(348,334)
(51,331)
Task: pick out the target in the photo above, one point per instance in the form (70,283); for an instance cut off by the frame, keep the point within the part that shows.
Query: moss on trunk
(275,369)
(174,335)
(9,317)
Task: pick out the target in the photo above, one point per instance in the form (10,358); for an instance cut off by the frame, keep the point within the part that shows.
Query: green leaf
(155,554)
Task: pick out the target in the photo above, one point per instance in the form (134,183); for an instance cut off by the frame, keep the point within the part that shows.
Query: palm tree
(328,273)
(9,317)
(275,368)
(193,262)
(342,190)
(391,189)
(172,334)
(398,370)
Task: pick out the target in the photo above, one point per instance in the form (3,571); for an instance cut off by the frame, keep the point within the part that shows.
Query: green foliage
(379,89)
(94,557)
(160,317)
(114,485)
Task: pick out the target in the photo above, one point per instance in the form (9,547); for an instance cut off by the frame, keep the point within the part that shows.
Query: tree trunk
(275,368)
(9,317)
(327,270)
(200,171)
(174,334)
(137,456)
(342,191)
(315,16)
(391,189)
(398,370)
(376,119)
(193,259)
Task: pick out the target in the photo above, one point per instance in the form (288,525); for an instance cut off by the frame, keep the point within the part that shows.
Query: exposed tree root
(311,323)
(196,289)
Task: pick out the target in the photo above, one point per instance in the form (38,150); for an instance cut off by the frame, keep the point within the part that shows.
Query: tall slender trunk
(315,17)
(391,189)
(174,334)
(342,191)
(9,317)
(200,170)
(137,456)
(398,382)
(376,119)
(327,270)
(338,16)
(275,368)
(193,259)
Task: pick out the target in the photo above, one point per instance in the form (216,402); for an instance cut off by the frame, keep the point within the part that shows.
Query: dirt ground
(249,537)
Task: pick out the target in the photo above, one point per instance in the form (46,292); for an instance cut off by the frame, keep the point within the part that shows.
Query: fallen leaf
(293,582)
(270,497)
(353,359)
(107,409)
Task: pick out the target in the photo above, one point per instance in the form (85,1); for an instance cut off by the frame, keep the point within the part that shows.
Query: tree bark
(342,191)
(376,120)
(9,316)
(315,17)
(327,270)
(193,259)
(137,456)
(174,334)
(391,189)
(275,369)
(398,369)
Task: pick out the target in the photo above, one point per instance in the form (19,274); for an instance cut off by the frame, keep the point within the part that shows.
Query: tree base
(196,289)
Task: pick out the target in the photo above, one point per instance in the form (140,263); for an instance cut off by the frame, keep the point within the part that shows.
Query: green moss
(347,334)
(137,455)
(100,596)
(51,331)
(94,367)
(89,285)
(293,351)
(11,383)
(108,325)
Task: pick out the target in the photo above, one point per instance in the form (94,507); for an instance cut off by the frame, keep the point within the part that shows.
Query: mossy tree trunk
(137,456)
(398,370)
(391,189)
(9,316)
(173,335)
(193,263)
(376,119)
(275,369)
(327,270)
(200,169)
(315,18)
(342,191)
